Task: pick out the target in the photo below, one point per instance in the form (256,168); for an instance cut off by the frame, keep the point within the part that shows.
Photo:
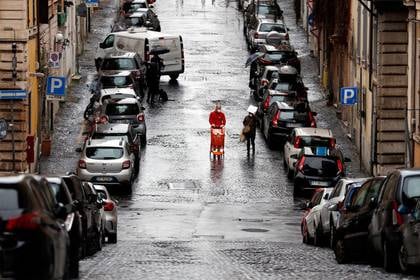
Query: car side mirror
(333,207)
(61,211)
(78,150)
(326,196)
(102,45)
(347,159)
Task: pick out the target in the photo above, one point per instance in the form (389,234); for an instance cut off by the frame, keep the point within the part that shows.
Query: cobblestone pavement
(189,217)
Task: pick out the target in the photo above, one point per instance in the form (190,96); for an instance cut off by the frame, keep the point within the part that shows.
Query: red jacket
(217,119)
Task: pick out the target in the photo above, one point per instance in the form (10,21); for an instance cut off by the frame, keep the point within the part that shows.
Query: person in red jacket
(217,118)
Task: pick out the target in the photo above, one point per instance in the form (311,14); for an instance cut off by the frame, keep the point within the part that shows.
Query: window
(9,199)
(268,27)
(411,188)
(122,109)
(109,42)
(282,86)
(359,198)
(337,190)
(119,64)
(389,188)
(104,153)
(118,81)
(320,166)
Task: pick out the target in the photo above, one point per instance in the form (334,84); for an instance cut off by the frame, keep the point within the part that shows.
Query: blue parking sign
(92,3)
(348,95)
(56,86)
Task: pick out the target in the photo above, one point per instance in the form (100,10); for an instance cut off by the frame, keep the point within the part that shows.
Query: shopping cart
(217,142)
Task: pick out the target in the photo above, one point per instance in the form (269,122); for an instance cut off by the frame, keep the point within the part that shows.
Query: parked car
(34,244)
(119,131)
(107,162)
(256,11)
(352,231)
(143,17)
(271,96)
(397,199)
(262,80)
(281,118)
(310,220)
(283,54)
(123,61)
(317,167)
(118,79)
(73,222)
(127,110)
(257,32)
(87,205)
(131,6)
(110,212)
(330,211)
(304,137)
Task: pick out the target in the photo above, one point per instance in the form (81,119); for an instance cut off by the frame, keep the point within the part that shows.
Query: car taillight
(301,164)
(103,119)
(82,164)
(140,117)
(275,119)
(332,143)
(298,141)
(397,219)
(109,206)
(126,164)
(267,102)
(340,166)
(28,221)
(312,119)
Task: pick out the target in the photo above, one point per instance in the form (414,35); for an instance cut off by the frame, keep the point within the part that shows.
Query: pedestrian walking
(250,128)
(153,77)
(217,118)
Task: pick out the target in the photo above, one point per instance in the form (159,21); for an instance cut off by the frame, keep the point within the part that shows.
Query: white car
(301,138)
(116,94)
(310,225)
(110,213)
(329,218)
(257,34)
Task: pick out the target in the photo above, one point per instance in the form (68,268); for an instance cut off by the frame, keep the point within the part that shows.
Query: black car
(396,206)
(351,236)
(318,167)
(283,54)
(34,244)
(117,79)
(73,222)
(271,96)
(88,209)
(143,18)
(281,118)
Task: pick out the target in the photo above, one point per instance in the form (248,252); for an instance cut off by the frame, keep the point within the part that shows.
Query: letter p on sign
(56,86)
(348,95)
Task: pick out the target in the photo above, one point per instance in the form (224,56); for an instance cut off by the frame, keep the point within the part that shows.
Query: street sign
(348,95)
(56,88)
(13,94)
(92,3)
(3,128)
(54,60)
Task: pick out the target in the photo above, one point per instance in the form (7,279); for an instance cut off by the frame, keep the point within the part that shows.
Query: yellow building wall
(33,84)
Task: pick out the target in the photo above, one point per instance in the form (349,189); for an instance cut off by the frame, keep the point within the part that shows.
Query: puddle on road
(254,230)
(192,185)
(208,236)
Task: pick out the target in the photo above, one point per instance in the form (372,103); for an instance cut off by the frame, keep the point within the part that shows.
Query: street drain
(254,230)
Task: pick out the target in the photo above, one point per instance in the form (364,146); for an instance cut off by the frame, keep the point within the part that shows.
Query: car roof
(348,181)
(272,68)
(310,131)
(271,21)
(138,1)
(100,187)
(284,106)
(138,13)
(110,91)
(120,55)
(273,92)
(105,143)
(55,180)
(115,73)
(409,171)
(109,128)
(13,180)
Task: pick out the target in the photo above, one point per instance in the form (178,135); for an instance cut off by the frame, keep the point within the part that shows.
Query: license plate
(320,183)
(104,179)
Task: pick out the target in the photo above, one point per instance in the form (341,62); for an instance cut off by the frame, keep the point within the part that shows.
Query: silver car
(127,110)
(110,212)
(108,162)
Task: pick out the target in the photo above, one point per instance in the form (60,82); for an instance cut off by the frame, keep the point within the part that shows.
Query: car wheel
(174,76)
(112,238)
(402,259)
(390,262)
(340,252)
(143,140)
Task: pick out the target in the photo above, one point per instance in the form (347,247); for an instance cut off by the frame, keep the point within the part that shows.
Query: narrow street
(189,217)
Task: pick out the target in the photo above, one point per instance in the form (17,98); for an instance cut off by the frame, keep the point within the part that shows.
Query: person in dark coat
(250,121)
(153,77)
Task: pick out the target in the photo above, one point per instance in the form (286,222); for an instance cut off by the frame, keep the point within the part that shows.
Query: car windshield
(320,166)
(281,86)
(314,141)
(104,152)
(279,56)
(293,115)
(9,199)
(266,10)
(282,98)
(268,27)
(136,21)
(122,109)
(411,188)
(110,136)
(112,82)
(119,64)
(135,6)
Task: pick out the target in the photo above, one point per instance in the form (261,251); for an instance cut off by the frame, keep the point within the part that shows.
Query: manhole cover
(255,230)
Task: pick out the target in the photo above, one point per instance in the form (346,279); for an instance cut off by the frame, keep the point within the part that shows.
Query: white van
(141,41)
